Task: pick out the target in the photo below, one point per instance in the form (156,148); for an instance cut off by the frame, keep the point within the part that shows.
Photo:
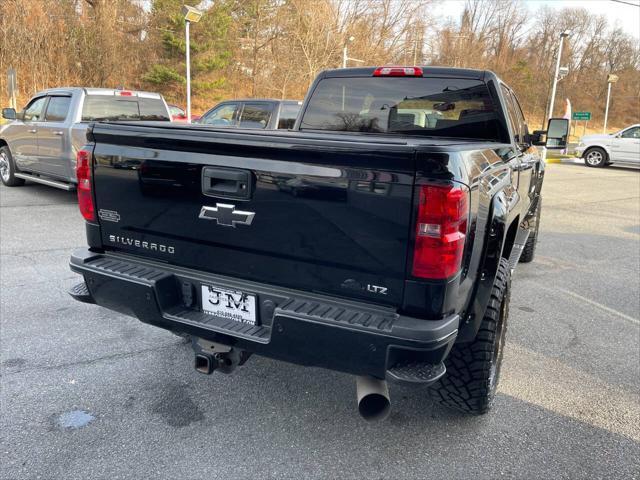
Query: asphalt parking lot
(87,393)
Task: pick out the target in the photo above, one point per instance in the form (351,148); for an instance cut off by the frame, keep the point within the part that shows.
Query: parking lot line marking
(549,383)
(598,305)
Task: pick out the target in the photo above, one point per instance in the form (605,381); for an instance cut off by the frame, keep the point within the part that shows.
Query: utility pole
(564,34)
(188,50)
(191,14)
(345,52)
(611,79)
(12,85)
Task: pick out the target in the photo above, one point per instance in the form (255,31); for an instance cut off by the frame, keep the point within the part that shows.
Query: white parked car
(604,149)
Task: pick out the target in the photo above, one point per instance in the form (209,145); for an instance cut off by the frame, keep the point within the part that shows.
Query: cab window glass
(255,115)
(288,115)
(33,112)
(152,109)
(513,116)
(428,106)
(57,109)
(631,133)
(222,116)
(522,123)
(177,111)
(99,108)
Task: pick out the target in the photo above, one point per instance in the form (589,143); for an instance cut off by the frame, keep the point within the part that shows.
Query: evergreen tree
(210,51)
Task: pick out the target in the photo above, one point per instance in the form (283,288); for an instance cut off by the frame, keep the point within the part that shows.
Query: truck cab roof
(427,69)
(273,100)
(96,91)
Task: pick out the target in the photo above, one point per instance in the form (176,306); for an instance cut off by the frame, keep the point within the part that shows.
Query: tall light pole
(191,15)
(611,79)
(564,34)
(345,55)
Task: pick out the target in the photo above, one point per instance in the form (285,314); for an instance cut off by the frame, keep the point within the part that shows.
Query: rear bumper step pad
(80,292)
(294,326)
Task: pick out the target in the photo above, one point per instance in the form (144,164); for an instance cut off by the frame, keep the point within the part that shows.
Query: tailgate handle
(227,183)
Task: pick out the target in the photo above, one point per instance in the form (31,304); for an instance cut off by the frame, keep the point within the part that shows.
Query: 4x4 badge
(109,215)
(226,215)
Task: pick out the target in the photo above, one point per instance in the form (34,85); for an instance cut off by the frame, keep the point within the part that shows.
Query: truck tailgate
(325,214)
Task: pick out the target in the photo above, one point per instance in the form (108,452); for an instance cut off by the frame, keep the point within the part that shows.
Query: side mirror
(557,133)
(9,113)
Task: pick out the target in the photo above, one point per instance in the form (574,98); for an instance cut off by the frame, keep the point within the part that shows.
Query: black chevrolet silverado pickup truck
(377,237)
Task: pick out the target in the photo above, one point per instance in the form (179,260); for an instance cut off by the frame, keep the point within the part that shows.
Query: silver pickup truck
(40,143)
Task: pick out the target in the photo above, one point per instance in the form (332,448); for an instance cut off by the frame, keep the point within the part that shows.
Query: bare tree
(277,47)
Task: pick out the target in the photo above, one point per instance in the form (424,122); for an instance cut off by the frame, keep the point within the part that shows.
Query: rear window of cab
(98,108)
(434,107)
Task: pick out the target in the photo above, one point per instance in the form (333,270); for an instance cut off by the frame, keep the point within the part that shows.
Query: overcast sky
(627,16)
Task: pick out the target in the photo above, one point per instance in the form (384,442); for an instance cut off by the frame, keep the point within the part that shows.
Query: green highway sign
(581,116)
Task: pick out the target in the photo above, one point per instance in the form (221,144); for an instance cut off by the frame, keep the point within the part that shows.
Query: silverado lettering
(158,247)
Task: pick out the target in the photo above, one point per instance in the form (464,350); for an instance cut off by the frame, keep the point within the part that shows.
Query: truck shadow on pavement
(301,410)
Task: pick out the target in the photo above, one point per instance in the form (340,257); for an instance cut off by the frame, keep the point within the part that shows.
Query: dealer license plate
(230,304)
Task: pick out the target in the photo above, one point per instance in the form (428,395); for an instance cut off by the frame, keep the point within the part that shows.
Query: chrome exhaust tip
(373,398)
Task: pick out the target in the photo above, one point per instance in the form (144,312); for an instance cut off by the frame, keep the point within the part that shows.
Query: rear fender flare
(496,232)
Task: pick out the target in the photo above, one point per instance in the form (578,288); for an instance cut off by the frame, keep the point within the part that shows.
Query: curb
(564,159)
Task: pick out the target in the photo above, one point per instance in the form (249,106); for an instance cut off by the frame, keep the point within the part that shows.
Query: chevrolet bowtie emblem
(226,215)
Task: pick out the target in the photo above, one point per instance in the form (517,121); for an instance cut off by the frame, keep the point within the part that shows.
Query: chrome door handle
(33,130)
(59,133)
(523,166)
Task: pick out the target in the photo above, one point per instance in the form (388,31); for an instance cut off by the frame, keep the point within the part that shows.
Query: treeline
(274,48)
(500,35)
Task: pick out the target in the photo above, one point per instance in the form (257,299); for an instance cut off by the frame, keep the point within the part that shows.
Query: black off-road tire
(8,169)
(473,369)
(596,157)
(529,251)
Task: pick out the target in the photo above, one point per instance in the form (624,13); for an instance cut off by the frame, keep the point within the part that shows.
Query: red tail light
(85,195)
(397,72)
(125,93)
(441,228)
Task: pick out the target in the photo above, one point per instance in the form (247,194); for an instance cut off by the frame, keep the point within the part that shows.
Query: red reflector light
(441,228)
(85,195)
(125,93)
(398,72)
